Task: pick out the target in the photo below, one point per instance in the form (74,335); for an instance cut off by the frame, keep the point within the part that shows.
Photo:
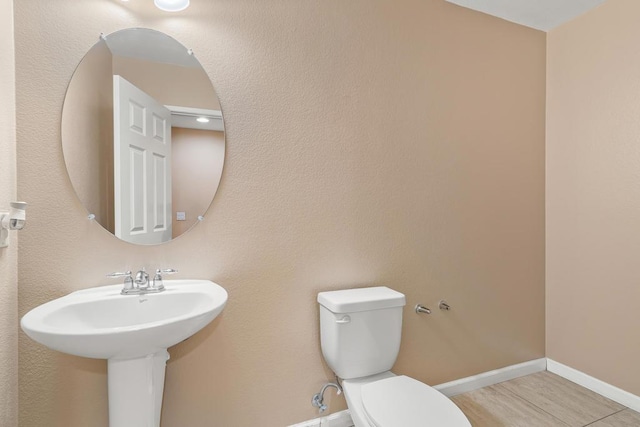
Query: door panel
(160,219)
(137,191)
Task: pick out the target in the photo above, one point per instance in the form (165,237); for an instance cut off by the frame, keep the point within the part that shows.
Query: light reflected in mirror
(143,136)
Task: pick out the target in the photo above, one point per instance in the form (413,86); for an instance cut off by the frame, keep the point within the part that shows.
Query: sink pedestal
(135,390)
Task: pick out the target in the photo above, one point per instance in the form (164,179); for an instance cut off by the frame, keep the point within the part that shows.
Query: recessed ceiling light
(171,5)
(202,120)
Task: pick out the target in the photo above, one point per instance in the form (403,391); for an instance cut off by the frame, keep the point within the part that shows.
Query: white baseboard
(604,389)
(486,379)
(339,419)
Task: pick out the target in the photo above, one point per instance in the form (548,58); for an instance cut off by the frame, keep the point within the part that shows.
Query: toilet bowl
(360,338)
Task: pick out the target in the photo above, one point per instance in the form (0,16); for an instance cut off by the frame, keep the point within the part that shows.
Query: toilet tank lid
(361,299)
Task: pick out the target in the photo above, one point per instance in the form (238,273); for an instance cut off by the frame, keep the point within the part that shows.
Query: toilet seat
(402,401)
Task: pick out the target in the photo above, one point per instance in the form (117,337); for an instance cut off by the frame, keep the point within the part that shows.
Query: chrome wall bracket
(422,309)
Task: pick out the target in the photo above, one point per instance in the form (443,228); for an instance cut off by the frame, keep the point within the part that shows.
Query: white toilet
(360,333)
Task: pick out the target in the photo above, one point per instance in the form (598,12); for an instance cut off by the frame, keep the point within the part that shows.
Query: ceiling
(542,15)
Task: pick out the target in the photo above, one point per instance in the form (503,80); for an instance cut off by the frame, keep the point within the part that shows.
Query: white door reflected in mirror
(142,159)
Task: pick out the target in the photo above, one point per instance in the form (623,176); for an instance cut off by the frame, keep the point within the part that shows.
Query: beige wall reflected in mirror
(165,70)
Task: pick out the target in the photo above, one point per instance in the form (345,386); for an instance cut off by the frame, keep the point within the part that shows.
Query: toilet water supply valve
(318,398)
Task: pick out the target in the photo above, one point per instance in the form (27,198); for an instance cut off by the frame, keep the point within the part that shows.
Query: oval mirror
(143,136)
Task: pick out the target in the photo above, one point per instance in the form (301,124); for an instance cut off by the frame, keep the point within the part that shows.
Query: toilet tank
(360,330)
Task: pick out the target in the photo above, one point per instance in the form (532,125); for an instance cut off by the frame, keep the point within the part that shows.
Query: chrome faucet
(142,279)
(141,284)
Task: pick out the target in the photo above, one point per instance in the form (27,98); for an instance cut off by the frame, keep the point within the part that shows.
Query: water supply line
(318,398)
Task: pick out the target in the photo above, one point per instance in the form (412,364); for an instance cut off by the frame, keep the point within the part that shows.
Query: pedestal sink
(132,332)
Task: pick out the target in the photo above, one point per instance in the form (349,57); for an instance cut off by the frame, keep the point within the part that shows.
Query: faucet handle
(157,279)
(123,274)
(128,280)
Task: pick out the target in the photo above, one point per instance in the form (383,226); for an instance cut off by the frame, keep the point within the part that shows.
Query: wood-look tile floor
(542,400)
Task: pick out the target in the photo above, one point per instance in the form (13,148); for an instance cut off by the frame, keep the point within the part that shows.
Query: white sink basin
(103,324)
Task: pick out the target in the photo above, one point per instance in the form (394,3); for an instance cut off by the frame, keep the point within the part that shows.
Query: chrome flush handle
(345,319)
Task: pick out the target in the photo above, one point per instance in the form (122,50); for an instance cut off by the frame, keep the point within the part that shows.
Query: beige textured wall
(197,162)
(593,194)
(370,142)
(8,256)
